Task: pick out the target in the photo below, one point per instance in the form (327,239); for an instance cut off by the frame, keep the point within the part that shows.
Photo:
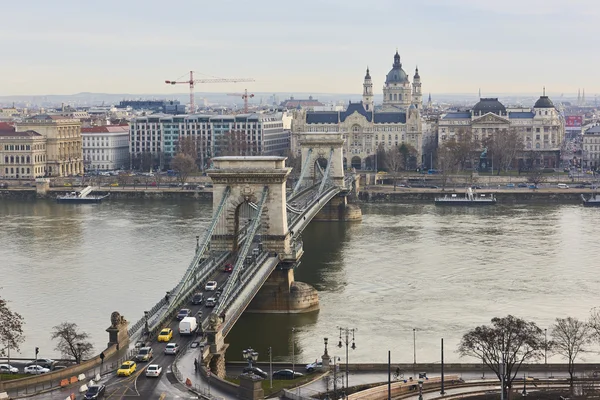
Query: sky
(307,46)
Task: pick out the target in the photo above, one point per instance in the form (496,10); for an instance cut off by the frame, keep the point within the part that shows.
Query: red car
(228,268)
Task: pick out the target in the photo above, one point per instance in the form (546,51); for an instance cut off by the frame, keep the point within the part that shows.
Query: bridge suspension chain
(305,167)
(326,175)
(239,263)
(203,247)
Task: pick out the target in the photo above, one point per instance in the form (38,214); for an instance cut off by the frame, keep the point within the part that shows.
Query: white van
(187,326)
(562,186)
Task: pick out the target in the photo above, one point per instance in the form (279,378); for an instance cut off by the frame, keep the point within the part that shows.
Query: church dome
(396,74)
(489,105)
(544,102)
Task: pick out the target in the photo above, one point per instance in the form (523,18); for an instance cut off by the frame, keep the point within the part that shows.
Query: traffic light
(269,352)
(37,350)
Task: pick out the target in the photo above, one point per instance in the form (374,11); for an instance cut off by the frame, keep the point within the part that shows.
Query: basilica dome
(396,74)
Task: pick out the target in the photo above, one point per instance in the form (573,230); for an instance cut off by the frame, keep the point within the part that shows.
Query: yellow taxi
(115,184)
(127,368)
(165,335)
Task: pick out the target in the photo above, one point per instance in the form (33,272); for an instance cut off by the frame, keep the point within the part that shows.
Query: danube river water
(440,271)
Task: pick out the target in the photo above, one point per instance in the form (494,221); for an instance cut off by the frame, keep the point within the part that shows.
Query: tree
(294,161)
(408,155)
(505,146)
(569,338)
(235,143)
(395,162)
(11,329)
(447,159)
(509,341)
(187,146)
(184,165)
(71,342)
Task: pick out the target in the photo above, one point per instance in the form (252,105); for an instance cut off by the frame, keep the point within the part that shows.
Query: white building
(591,148)
(106,147)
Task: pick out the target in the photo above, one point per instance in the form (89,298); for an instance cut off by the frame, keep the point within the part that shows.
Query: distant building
(398,93)
(64,155)
(591,148)
(301,103)
(158,106)
(22,154)
(106,147)
(541,127)
(251,134)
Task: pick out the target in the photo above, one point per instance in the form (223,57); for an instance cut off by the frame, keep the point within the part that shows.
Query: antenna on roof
(544,90)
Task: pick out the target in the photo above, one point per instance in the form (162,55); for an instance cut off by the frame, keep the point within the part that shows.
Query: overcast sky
(309,46)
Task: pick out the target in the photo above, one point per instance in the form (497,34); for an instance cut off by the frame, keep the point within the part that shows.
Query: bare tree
(11,329)
(447,160)
(394,162)
(536,176)
(235,143)
(71,342)
(408,155)
(505,146)
(184,165)
(187,146)
(569,338)
(294,161)
(509,341)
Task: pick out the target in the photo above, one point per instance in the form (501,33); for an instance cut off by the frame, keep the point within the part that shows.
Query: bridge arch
(328,146)
(356,162)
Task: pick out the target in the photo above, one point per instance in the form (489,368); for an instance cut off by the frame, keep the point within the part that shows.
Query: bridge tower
(319,149)
(247,177)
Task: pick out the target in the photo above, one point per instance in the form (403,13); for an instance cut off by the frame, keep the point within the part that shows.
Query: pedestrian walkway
(200,384)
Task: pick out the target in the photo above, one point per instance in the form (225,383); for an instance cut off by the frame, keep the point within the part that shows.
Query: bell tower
(368,92)
(417,96)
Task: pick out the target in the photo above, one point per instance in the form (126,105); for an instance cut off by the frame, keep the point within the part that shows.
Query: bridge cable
(326,175)
(241,258)
(305,167)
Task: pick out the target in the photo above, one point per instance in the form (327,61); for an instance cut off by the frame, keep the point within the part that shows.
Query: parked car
(198,298)
(145,354)
(127,368)
(8,369)
(314,366)
(211,302)
(522,185)
(165,335)
(43,362)
(153,371)
(184,312)
(228,267)
(172,348)
(95,392)
(510,185)
(210,286)
(286,374)
(255,371)
(532,187)
(35,370)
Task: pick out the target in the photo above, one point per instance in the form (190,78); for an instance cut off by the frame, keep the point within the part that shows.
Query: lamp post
(146,327)
(524,385)
(420,389)
(293,349)
(335,369)
(251,356)
(546,348)
(346,341)
(414,351)
(79,347)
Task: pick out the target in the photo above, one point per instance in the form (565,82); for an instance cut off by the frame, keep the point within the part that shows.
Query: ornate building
(397,91)
(541,127)
(22,154)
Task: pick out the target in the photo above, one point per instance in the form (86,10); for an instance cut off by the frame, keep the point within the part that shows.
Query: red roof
(6,127)
(18,134)
(106,129)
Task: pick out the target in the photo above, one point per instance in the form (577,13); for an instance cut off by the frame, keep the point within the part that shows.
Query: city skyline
(321,47)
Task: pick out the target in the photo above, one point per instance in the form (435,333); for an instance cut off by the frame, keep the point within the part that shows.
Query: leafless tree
(11,329)
(187,145)
(294,161)
(505,146)
(570,337)
(509,341)
(184,165)
(72,342)
(235,143)
(394,162)
(447,160)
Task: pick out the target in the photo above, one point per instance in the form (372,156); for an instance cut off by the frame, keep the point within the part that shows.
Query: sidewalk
(185,365)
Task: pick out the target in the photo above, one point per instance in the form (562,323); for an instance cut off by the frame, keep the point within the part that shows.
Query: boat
(82,196)
(592,201)
(470,199)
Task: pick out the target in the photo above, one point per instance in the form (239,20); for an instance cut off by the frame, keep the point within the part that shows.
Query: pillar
(250,387)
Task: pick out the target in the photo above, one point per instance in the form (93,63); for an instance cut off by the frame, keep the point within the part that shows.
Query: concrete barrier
(401,387)
(4,396)
(61,375)
(64,382)
(73,380)
(81,377)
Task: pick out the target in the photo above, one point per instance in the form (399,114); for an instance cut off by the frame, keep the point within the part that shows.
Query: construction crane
(244,96)
(193,81)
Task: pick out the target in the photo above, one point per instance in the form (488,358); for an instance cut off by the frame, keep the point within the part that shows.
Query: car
(210,286)
(314,366)
(44,362)
(211,302)
(475,187)
(172,348)
(153,371)
(184,312)
(532,187)
(127,368)
(522,185)
(35,370)
(228,268)
(198,298)
(165,335)
(8,369)
(510,185)
(580,186)
(255,371)
(145,354)
(94,392)
(286,374)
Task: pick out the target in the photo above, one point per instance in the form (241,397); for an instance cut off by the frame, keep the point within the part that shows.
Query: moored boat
(592,201)
(470,199)
(81,197)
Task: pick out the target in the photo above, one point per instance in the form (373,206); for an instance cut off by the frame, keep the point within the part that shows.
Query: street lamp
(293,350)
(346,340)
(146,327)
(325,340)
(545,347)
(414,351)
(420,389)
(335,370)
(79,349)
(251,356)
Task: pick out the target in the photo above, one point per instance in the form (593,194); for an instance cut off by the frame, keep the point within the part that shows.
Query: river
(440,271)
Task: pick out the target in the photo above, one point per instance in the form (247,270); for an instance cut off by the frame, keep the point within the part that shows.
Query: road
(138,385)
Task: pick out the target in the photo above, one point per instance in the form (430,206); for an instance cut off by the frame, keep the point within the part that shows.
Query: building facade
(242,134)
(591,148)
(64,156)
(540,127)
(106,147)
(398,93)
(22,154)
